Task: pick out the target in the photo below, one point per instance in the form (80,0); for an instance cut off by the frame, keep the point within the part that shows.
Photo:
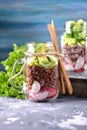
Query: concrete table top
(65,113)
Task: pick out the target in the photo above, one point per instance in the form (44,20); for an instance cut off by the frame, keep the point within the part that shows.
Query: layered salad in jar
(42,73)
(73,45)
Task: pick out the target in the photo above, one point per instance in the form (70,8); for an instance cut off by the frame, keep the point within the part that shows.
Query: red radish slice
(31,98)
(80,63)
(32,95)
(51,92)
(35,87)
(41,95)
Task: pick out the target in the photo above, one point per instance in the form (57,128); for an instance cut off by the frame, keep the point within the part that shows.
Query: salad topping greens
(46,61)
(75,33)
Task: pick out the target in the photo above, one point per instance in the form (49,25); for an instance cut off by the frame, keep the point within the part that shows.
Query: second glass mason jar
(42,72)
(73,45)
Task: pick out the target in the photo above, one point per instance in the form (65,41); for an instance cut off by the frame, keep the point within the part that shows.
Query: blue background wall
(24,21)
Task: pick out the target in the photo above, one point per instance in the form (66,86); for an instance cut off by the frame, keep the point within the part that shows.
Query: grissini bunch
(62,72)
(62,88)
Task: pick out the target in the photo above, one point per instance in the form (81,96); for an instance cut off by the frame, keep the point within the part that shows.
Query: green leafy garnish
(12,88)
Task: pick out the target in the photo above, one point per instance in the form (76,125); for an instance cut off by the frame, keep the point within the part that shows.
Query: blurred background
(24,21)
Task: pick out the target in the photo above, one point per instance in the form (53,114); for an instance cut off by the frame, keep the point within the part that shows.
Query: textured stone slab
(65,113)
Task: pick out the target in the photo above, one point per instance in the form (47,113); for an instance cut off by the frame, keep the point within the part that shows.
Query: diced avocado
(82,36)
(72,22)
(41,47)
(66,40)
(46,62)
(52,59)
(78,27)
(83,42)
(75,28)
(43,60)
(66,35)
(79,44)
(33,61)
(80,21)
(71,41)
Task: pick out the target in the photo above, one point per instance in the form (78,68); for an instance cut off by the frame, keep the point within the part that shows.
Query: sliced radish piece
(80,63)
(32,95)
(41,95)
(35,87)
(51,92)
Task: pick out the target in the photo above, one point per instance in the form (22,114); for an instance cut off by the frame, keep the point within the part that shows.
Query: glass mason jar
(73,45)
(42,72)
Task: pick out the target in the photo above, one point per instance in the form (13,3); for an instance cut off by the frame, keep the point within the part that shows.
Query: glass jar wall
(42,73)
(73,44)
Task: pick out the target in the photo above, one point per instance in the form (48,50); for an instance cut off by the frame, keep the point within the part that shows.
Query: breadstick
(54,41)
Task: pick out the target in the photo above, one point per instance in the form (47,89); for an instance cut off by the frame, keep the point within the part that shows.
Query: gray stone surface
(65,113)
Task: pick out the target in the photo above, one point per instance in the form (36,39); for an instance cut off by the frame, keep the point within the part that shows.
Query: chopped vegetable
(75,32)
